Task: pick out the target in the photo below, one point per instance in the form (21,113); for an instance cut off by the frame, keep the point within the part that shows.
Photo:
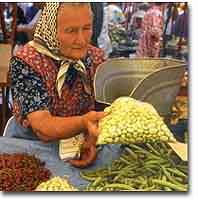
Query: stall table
(48,152)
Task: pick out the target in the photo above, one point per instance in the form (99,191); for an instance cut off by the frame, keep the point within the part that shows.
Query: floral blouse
(33,80)
(151,33)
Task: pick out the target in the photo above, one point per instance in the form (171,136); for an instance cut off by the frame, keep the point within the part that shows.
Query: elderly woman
(52,79)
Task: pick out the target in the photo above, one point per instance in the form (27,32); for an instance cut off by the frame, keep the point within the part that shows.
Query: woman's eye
(87,28)
(69,30)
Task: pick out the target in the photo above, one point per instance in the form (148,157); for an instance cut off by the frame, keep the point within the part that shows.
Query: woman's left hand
(88,153)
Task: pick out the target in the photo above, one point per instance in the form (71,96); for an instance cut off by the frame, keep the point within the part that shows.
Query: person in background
(152,29)
(32,16)
(32,10)
(25,30)
(181,32)
(137,24)
(52,80)
(181,24)
(21,37)
(168,22)
(98,13)
(116,16)
(104,41)
(116,25)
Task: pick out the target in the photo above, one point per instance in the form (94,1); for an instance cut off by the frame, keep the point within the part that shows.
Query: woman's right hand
(90,121)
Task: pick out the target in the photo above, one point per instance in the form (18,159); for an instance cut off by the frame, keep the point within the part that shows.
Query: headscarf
(45,41)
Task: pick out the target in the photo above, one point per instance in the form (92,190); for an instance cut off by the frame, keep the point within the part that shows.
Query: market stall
(109,155)
(143,141)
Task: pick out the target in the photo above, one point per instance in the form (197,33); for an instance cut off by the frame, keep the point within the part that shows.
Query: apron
(15,130)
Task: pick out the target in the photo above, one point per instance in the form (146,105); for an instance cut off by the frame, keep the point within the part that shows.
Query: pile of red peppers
(21,172)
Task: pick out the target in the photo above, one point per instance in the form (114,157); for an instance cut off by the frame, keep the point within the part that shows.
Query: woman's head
(74,29)
(65,28)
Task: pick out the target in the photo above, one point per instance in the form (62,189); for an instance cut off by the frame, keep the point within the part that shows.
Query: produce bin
(156,81)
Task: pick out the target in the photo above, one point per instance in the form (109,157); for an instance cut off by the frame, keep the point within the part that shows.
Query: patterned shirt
(33,85)
(152,30)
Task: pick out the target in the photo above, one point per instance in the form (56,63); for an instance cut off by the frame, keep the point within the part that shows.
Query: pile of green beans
(148,167)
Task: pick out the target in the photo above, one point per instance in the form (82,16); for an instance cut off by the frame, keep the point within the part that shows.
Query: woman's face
(74,30)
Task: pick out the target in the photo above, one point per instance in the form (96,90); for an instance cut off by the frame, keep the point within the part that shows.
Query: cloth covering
(16,140)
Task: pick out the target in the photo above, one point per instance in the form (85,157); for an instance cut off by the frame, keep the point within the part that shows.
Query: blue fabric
(27,88)
(180,28)
(30,13)
(15,130)
(14,141)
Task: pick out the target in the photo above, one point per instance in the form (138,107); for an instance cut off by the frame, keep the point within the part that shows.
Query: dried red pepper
(21,172)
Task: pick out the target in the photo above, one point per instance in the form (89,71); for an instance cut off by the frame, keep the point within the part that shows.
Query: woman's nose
(81,40)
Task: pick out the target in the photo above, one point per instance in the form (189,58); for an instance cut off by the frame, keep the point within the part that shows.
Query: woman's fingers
(88,156)
(92,125)
(93,129)
(100,115)
(89,152)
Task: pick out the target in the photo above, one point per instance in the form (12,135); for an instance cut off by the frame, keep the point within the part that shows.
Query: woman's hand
(88,151)
(90,121)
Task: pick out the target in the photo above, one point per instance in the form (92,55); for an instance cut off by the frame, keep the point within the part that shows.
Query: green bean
(141,170)
(150,170)
(97,181)
(152,156)
(176,172)
(119,185)
(141,150)
(183,168)
(164,146)
(169,184)
(157,162)
(88,178)
(131,153)
(125,161)
(99,188)
(149,189)
(126,157)
(167,189)
(170,178)
(152,149)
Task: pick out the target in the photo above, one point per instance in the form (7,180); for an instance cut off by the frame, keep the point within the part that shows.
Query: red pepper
(21,172)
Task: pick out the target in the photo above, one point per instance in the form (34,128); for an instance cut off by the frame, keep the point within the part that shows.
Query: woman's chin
(76,54)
